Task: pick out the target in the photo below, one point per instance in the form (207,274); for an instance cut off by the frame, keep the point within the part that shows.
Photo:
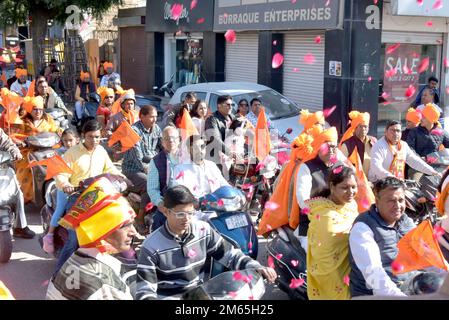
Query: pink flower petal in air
(149,206)
(278,60)
(447,90)
(293,1)
(346,280)
(420,2)
(176,11)
(431,159)
(333,159)
(324,149)
(305,211)
(369,79)
(250,245)
(260,166)
(309,58)
(424,65)
(318,217)
(45,283)
(275,42)
(279,256)
(251,298)
(193,4)
(270,205)
(269,227)
(438,231)
(429,23)
(396,266)
(295,69)
(295,283)
(220,203)
(294,263)
(327,3)
(200,20)
(438,4)
(230,36)
(338,170)
(446,63)
(365,203)
(270,262)
(390,73)
(406,69)
(237,276)
(192,253)
(432,67)
(318,39)
(410,91)
(437,132)
(232,294)
(327,112)
(392,48)
(180,175)
(385,95)
(375,1)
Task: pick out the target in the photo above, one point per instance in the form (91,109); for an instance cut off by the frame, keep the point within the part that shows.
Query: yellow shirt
(85,164)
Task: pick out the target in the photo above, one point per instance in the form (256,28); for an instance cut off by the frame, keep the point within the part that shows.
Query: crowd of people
(349,239)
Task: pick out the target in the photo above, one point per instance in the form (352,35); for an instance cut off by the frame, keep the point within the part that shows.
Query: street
(27,273)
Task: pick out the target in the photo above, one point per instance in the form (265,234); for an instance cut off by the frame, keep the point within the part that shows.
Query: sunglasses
(182,214)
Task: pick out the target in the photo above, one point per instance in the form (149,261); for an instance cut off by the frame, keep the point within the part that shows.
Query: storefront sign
(159,16)
(428,8)
(279,15)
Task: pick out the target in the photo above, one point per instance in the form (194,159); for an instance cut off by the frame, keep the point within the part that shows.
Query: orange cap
(414,116)
(431,113)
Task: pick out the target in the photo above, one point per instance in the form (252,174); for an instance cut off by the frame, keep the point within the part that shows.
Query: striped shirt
(89,275)
(169,265)
(149,145)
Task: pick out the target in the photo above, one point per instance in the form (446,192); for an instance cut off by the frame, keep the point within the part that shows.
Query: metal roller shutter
(241,58)
(411,37)
(303,83)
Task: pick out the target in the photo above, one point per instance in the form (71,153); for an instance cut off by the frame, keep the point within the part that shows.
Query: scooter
(222,209)
(9,204)
(225,287)
(59,116)
(283,248)
(90,108)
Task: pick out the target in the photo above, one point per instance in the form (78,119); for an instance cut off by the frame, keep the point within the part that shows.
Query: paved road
(30,268)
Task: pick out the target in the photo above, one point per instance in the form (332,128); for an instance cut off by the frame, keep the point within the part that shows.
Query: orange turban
(29,103)
(414,116)
(84,75)
(357,118)
(104,92)
(328,135)
(21,72)
(308,119)
(107,65)
(431,113)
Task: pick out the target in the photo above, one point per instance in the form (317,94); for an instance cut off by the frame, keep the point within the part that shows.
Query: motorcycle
(283,247)
(90,108)
(9,205)
(224,287)
(167,87)
(222,209)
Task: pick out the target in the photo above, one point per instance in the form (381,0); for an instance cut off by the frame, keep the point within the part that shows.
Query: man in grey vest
(373,242)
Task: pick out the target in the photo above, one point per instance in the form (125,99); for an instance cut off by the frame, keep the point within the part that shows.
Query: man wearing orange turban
(83,89)
(109,68)
(21,85)
(103,222)
(428,136)
(308,120)
(357,136)
(104,110)
(412,118)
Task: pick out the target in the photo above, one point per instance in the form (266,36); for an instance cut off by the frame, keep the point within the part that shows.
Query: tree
(38,12)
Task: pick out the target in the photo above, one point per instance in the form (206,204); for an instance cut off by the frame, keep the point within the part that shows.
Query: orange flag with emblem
(55,165)
(126,135)
(187,126)
(419,249)
(262,142)
(365,196)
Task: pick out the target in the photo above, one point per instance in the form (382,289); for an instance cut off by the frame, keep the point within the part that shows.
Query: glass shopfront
(404,75)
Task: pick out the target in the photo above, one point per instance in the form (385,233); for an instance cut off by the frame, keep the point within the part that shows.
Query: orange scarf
(440,199)
(397,166)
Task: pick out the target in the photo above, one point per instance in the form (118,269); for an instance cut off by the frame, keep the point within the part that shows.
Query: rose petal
(295,283)
(278,60)
(432,67)
(45,283)
(230,36)
(369,79)
(424,65)
(406,69)
(220,203)
(232,294)
(393,48)
(385,95)
(149,206)
(396,266)
(275,42)
(420,2)
(192,253)
(271,262)
(250,245)
(252,297)
(318,39)
(346,280)
(237,276)
(390,73)
(429,23)
(279,256)
(431,159)
(193,4)
(294,263)
(293,1)
(327,112)
(327,3)
(176,11)
(180,175)
(338,170)
(410,91)
(438,231)
(295,69)
(437,5)
(305,211)
(309,58)
(270,205)
(200,20)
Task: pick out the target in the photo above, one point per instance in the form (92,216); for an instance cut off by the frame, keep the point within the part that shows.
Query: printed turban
(357,118)
(414,116)
(29,103)
(308,120)
(431,113)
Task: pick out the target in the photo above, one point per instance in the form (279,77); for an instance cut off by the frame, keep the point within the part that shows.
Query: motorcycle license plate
(236,221)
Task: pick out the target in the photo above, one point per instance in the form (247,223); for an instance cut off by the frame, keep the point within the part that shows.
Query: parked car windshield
(276,105)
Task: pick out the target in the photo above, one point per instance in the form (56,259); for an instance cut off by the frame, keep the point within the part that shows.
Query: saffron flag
(187,126)
(55,165)
(126,135)
(31,88)
(419,249)
(365,196)
(262,143)
(11,102)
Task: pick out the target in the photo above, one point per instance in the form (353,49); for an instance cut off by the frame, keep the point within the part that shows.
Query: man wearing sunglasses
(200,176)
(172,259)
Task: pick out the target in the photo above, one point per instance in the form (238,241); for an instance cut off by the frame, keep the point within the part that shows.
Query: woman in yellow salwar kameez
(331,218)
(35,121)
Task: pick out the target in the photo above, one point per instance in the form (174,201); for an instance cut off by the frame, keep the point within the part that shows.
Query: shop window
(189,62)
(406,60)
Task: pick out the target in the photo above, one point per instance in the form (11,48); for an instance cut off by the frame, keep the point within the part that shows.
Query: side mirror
(155,87)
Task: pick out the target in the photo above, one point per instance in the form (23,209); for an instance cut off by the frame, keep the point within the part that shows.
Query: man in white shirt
(200,176)
(389,156)
(21,85)
(373,242)
(109,67)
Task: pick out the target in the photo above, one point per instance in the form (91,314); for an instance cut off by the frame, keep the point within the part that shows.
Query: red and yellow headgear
(30,103)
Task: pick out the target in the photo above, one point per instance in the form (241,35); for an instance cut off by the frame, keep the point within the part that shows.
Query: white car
(283,112)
